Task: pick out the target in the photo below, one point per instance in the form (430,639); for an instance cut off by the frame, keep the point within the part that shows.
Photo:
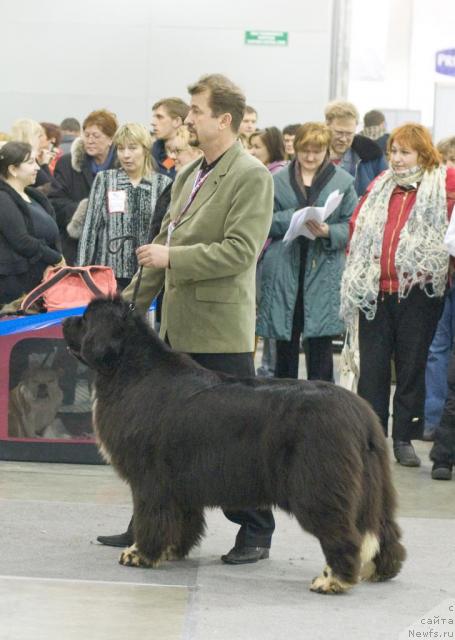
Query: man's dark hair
(175,107)
(70,124)
(291,129)
(224,97)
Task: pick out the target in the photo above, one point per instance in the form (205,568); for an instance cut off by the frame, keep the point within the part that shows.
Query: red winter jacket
(400,205)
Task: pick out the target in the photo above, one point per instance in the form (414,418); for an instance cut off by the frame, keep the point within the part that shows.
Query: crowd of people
(125,196)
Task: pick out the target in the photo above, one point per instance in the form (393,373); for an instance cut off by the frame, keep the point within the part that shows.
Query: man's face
(203,126)
(343,132)
(248,124)
(288,140)
(163,125)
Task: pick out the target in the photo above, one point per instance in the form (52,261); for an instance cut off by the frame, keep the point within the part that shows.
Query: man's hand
(318,230)
(153,255)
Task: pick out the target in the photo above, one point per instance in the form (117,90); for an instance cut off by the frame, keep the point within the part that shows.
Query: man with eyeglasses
(356,154)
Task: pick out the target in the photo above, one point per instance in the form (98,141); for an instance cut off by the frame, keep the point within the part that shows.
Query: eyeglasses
(343,134)
(93,136)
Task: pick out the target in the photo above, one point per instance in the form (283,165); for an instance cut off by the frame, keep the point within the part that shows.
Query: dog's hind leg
(340,542)
(391,553)
(342,553)
(382,552)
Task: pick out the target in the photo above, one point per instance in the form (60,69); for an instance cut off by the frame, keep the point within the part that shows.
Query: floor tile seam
(426,518)
(101,582)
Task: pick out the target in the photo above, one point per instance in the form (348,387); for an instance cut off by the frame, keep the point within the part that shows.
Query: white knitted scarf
(421,256)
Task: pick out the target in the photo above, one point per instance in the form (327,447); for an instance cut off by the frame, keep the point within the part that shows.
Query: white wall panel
(73,57)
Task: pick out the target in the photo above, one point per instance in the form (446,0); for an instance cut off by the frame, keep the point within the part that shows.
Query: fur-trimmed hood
(77,154)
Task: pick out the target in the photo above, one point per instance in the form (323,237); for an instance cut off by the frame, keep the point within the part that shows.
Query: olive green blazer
(209,300)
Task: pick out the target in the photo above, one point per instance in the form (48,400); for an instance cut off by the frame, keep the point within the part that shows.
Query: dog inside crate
(49,392)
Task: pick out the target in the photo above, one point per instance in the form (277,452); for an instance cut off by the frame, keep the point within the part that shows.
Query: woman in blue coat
(301,279)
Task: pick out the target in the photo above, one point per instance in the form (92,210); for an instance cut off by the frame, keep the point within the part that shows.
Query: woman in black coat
(29,237)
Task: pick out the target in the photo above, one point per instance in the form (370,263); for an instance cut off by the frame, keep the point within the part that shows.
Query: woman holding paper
(121,202)
(301,278)
(396,277)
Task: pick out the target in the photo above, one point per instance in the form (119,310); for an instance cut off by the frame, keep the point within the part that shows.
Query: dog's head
(98,337)
(39,385)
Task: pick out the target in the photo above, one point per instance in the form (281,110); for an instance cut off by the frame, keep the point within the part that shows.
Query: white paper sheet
(319,214)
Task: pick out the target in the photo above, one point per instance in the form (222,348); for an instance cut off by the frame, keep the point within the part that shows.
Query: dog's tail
(382,553)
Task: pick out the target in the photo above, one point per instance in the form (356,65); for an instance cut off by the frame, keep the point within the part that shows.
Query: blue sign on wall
(445,62)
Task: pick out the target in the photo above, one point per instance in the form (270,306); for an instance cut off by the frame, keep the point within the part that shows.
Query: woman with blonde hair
(300,285)
(121,203)
(31,132)
(395,279)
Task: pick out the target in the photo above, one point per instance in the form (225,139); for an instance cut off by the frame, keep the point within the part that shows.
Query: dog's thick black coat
(186,438)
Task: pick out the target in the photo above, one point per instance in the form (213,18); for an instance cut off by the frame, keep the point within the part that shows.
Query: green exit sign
(267,38)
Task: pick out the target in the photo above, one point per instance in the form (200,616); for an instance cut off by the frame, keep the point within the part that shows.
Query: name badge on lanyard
(199,181)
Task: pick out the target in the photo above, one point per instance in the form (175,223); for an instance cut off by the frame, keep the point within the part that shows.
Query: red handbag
(67,287)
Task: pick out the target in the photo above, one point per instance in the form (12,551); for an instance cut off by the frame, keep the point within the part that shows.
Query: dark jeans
(443,450)
(256,525)
(318,351)
(402,329)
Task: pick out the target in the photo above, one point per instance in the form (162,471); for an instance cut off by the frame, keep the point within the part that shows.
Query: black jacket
(72,182)
(21,252)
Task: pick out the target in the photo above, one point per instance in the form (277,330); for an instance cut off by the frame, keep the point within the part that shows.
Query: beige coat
(209,301)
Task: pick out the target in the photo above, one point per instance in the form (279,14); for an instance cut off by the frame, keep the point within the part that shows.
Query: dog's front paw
(132,558)
(327,583)
(170,554)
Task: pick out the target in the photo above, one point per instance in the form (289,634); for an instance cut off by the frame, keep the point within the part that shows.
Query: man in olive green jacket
(205,255)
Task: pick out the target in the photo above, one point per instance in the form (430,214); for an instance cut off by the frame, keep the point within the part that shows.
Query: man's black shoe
(405,454)
(441,471)
(120,540)
(245,555)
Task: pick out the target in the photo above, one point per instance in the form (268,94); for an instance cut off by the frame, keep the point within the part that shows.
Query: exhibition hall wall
(66,58)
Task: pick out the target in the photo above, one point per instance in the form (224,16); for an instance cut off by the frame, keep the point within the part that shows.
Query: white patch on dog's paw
(169,554)
(132,558)
(328,583)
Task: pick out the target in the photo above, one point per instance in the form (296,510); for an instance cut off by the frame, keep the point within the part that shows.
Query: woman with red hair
(395,279)
(75,173)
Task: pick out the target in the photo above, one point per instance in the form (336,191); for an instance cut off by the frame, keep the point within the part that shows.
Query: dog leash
(123,239)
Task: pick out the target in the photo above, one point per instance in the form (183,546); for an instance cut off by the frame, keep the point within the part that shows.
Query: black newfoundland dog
(186,438)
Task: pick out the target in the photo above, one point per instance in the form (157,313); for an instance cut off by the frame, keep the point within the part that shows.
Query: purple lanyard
(199,181)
